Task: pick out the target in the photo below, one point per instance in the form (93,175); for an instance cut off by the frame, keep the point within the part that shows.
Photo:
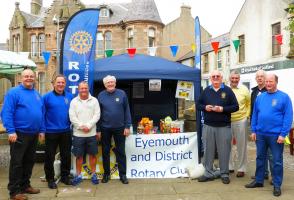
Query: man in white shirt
(84,112)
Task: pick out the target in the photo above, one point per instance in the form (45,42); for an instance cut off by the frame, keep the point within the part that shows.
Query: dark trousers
(22,160)
(263,143)
(52,140)
(119,140)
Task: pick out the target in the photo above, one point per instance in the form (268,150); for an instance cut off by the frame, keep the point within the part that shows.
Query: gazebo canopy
(12,62)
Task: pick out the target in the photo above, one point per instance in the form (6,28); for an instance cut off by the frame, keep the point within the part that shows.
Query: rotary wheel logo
(80,42)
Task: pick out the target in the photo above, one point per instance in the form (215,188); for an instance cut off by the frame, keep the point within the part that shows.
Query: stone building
(121,26)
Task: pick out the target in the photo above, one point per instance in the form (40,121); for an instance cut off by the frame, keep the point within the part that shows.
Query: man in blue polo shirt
(22,116)
(58,133)
(217,102)
(115,122)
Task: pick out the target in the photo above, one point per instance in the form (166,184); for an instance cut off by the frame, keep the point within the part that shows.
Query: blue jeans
(263,143)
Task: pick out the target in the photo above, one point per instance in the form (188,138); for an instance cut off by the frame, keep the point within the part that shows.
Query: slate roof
(34,21)
(136,10)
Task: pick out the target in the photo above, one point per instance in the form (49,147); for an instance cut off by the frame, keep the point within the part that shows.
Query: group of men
(28,117)
(226,112)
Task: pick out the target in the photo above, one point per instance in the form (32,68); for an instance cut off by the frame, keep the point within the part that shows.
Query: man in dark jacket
(217,102)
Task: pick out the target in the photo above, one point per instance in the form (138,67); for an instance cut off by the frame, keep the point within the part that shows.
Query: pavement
(162,189)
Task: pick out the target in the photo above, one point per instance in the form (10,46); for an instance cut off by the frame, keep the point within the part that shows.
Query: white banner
(161,155)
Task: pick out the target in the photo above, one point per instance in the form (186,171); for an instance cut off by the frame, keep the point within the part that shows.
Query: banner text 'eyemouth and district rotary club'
(161,155)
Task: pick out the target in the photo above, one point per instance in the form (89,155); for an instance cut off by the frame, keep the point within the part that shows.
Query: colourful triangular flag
(174,49)
(193,47)
(279,38)
(215,46)
(109,52)
(46,56)
(152,51)
(236,44)
(131,52)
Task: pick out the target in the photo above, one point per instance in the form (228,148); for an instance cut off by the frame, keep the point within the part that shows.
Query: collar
(89,98)
(57,94)
(222,86)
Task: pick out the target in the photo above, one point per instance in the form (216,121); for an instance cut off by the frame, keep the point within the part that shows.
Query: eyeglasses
(215,76)
(27,76)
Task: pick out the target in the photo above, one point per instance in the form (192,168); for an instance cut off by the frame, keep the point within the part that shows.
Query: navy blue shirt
(56,111)
(115,110)
(224,97)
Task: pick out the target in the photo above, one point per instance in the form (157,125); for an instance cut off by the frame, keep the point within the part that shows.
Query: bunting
(109,52)
(236,44)
(279,39)
(193,47)
(152,51)
(131,52)
(174,50)
(215,46)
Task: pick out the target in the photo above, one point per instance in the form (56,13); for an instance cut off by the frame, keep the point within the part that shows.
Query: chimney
(36,6)
(186,11)
(16,5)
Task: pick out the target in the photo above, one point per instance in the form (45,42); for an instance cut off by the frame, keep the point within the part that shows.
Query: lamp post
(56,21)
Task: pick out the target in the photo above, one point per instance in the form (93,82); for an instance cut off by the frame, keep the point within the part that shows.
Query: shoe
(31,190)
(253,184)
(225,180)
(124,179)
(277,191)
(105,178)
(19,197)
(52,185)
(66,180)
(266,176)
(205,179)
(94,179)
(240,174)
(253,177)
(231,171)
(77,180)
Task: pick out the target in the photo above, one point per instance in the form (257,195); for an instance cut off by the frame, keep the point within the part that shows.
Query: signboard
(161,155)
(154,85)
(185,90)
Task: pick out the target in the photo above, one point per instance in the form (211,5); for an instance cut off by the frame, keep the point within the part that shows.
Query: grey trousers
(220,138)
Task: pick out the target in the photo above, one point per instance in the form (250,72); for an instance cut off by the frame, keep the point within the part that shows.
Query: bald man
(22,116)
(217,102)
(271,122)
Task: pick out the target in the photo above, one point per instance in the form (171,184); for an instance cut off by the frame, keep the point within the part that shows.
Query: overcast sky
(216,16)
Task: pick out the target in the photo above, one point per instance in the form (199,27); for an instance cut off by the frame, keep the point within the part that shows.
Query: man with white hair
(271,122)
(115,122)
(217,102)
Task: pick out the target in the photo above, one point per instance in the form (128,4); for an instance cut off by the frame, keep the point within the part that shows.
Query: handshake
(213,108)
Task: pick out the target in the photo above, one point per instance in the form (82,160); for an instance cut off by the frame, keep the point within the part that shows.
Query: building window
(130,38)
(206,64)
(34,46)
(276,30)
(42,82)
(41,44)
(242,49)
(228,57)
(219,60)
(104,12)
(108,39)
(151,37)
(99,45)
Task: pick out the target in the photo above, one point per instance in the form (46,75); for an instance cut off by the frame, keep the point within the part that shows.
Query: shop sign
(185,90)
(161,155)
(266,67)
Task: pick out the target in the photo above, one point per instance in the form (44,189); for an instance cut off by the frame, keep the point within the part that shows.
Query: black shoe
(231,171)
(277,191)
(225,180)
(253,184)
(52,185)
(205,179)
(266,176)
(105,178)
(66,180)
(124,179)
